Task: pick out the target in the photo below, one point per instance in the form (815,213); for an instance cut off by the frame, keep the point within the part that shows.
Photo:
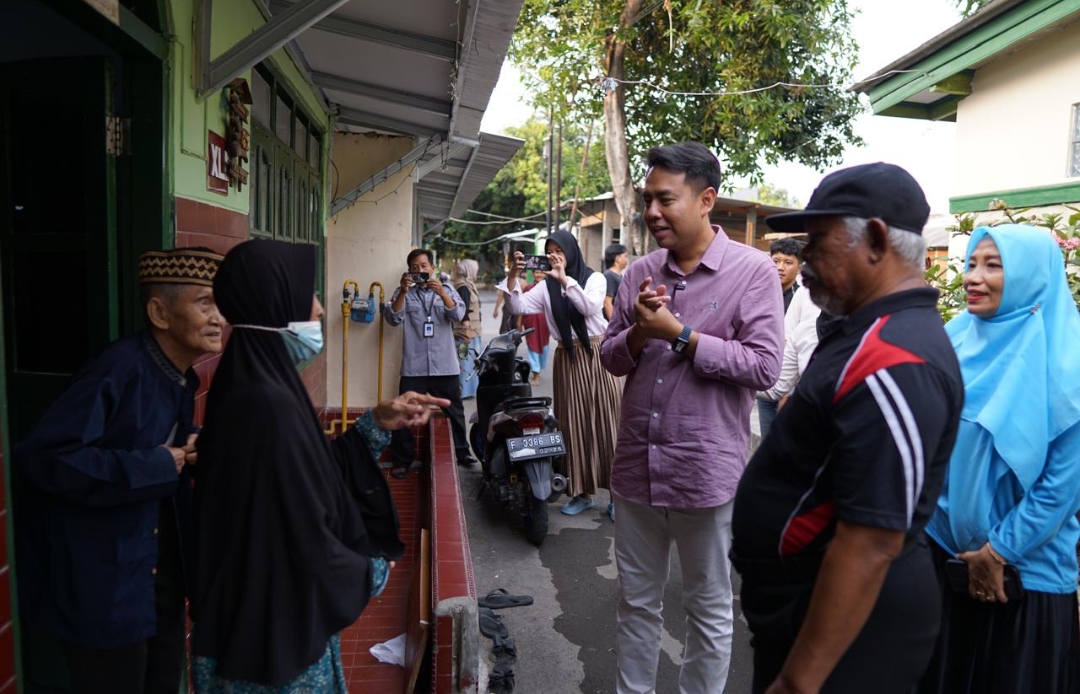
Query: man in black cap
(837,583)
(104,515)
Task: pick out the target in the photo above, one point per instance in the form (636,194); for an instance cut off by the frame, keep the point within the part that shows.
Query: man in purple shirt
(701,332)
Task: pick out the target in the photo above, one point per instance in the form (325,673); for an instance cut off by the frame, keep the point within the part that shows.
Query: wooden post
(605,231)
(751,227)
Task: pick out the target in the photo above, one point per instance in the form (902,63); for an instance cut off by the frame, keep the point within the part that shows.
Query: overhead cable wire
(496,222)
(609,84)
(499,216)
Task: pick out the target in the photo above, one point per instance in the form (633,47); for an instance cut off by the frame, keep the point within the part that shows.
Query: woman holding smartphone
(586,396)
(1012,490)
(537,341)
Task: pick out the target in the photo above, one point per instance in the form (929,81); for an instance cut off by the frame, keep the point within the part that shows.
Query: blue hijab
(1021,367)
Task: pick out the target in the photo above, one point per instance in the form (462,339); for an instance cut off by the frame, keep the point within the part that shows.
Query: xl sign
(217,177)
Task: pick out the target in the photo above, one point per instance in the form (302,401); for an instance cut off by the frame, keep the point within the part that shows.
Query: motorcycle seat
(529,403)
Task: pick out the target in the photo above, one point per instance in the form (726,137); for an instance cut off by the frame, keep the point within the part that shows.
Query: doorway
(58,230)
(76,106)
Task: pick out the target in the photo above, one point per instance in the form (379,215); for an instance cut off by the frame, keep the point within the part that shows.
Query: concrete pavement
(566,638)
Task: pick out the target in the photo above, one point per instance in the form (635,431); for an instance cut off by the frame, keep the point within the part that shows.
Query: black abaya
(287,523)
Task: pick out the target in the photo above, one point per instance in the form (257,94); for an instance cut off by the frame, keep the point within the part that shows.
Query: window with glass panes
(1074,143)
(286,147)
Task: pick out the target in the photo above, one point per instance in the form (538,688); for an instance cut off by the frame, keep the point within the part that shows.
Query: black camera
(537,262)
(420,278)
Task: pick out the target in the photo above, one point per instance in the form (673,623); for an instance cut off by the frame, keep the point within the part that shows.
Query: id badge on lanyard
(429,328)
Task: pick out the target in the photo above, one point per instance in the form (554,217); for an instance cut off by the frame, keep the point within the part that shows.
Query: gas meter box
(362,310)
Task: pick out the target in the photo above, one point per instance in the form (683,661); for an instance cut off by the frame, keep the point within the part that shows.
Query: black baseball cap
(880,190)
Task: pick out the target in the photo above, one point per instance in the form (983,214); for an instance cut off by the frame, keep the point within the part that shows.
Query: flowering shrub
(1067,244)
(949,279)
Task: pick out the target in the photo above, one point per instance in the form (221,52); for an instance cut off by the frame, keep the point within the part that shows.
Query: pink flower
(1072,244)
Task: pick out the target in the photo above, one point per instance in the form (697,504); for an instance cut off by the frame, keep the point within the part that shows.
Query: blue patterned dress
(327,676)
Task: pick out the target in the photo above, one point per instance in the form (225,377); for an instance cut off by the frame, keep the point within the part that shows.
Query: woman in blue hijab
(1012,490)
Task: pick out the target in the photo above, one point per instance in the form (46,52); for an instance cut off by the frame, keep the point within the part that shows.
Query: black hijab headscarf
(567,318)
(283,554)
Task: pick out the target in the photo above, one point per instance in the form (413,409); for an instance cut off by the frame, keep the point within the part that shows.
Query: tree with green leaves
(758,81)
(970,7)
(520,190)
(773,195)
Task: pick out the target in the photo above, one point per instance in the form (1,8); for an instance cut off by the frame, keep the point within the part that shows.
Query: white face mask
(303,339)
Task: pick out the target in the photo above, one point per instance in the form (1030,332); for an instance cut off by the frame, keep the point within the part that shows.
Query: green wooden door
(58,251)
(57,229)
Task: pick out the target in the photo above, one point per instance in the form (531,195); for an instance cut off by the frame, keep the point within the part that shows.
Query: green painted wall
(190,119)
(1042,196)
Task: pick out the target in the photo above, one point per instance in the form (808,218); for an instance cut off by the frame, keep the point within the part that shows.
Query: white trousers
(643,538)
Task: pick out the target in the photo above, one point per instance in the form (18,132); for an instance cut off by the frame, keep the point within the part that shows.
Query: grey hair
(909,246)
(168,292)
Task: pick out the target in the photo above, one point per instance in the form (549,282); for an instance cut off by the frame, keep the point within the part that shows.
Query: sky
(884,30)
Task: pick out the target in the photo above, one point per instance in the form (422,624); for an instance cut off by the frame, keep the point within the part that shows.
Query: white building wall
(367,242)
(1013,130)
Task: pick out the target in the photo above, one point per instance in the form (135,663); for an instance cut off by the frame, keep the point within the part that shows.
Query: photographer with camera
(428,310)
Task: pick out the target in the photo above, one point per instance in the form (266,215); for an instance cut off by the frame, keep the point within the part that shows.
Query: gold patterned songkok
(194,265)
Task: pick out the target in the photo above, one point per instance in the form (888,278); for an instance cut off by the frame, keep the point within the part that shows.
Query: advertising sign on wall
(217,176)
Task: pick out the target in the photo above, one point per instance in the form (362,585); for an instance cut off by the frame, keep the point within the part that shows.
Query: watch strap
(680,343)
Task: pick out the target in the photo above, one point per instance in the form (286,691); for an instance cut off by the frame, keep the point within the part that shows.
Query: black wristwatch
(682,343)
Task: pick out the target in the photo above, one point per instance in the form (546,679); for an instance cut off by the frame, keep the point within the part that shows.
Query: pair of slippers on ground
(501,680)
(491,624)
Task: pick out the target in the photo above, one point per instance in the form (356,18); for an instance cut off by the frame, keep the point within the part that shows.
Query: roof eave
(961,49)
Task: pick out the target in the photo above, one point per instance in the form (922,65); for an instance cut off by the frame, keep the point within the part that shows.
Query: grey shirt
(427,356)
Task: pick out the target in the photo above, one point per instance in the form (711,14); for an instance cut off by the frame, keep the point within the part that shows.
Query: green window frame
(286,182)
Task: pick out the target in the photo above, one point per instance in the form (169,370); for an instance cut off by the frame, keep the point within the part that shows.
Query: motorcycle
(515,436)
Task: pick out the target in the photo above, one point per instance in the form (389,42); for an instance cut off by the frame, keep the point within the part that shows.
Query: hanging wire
(610,84)
(499,216)
(482,243)
(385,178)
(497,222)
(403,181)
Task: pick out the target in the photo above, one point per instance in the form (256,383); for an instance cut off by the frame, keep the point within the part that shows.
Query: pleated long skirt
(587,401)
(1025,646)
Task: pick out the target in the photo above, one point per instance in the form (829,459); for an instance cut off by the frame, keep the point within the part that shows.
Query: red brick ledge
(456,642)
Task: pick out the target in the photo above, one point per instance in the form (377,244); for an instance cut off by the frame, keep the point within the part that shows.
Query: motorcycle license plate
(538,446)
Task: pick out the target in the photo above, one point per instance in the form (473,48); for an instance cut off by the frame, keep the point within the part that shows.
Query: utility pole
(558,181)
(550,163)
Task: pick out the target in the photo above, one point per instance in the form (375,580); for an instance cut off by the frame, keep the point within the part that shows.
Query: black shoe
(466,461)
(399,472)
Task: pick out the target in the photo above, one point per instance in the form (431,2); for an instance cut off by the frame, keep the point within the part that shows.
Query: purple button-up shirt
(685,426)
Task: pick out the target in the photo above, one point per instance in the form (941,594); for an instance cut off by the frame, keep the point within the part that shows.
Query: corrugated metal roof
(492,154)
(989,12)
(452,186)
(418,67)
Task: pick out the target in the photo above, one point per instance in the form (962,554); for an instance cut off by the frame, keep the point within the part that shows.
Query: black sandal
(491,625)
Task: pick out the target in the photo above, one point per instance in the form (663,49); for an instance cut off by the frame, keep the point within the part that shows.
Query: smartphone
(956,571)
(420,277)
(537,262)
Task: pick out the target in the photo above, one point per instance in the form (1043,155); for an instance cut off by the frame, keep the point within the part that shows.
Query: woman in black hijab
(294,532)
(586,396)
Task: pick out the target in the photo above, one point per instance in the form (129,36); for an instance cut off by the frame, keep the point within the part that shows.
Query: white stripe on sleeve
(899,438)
